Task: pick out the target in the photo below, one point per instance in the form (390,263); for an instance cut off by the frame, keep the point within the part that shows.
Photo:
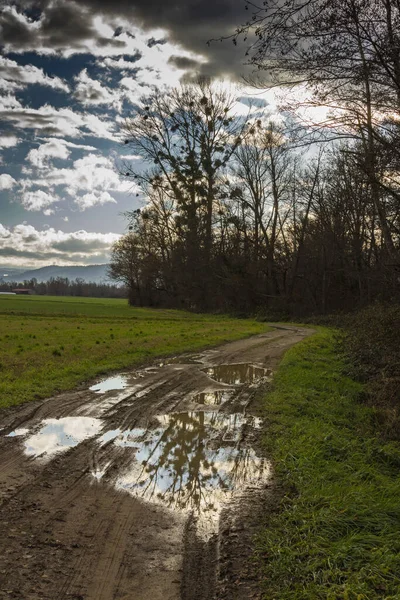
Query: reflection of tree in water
(236,373)
(184,465)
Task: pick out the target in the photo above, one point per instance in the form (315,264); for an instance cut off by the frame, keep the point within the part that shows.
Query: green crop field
(49,344)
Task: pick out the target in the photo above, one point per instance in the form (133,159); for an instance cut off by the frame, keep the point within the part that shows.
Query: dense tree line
(62,286)
(245,212)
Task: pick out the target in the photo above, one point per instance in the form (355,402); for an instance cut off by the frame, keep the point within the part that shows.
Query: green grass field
(336,533)
(50,344)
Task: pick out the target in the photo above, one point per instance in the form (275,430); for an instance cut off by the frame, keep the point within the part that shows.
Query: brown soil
(113,508)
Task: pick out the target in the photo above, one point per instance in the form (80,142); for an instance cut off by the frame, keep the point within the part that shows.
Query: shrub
(373,344)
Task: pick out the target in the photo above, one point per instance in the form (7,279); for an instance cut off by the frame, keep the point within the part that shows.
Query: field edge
(43,354)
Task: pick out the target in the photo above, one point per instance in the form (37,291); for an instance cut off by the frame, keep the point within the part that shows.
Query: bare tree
(263,171)
(347,53)
(189,135)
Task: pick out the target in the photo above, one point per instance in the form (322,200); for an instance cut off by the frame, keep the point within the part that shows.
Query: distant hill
(92,273)
(10,272)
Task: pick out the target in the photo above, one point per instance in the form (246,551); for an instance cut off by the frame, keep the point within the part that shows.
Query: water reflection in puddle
(57,435)
(212,398)
(236,374)
(118,382)
(18,432)
(190,461)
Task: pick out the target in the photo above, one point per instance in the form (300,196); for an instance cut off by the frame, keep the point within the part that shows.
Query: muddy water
(134,487)
(118,382)
(57,435)
(18,432)
(237,374)
(189,461)
(213,398)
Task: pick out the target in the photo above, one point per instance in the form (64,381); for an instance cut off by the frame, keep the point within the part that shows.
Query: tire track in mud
(153,490)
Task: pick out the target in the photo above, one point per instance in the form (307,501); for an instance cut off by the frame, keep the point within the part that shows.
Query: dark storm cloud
(153,42)
(182,62)
(64,21)
(53,122)
(10,252)
(190,23)
(13,29)
(74,246)
(58,25)
(62,27)
(103,42)
(31,119)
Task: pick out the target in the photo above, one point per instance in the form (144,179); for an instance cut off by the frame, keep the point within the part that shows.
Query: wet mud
(144,485)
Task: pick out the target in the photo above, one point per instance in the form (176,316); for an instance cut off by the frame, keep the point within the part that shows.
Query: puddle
(190,461)
(237,374)
(212,398)
(98,473)
(110,435)
(57,435)
(258,422)
(18,432)
(118,382)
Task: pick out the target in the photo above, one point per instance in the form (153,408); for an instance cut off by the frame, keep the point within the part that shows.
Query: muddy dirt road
(145,486)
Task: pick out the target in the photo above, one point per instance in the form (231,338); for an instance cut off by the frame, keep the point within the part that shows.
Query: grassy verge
(336,531)
(51,344)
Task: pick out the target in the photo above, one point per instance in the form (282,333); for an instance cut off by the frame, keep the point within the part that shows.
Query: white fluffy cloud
(38,200)
(92,199)
(9,102)
(25,244)
(133,90)
(88,182)
(153,64)
(90,173)
(90,91)
(38,157)
(121,63)
(129,157)
(62,122)
(7,182)
(52,179)
(14,76)
(8,140)
(53,148)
